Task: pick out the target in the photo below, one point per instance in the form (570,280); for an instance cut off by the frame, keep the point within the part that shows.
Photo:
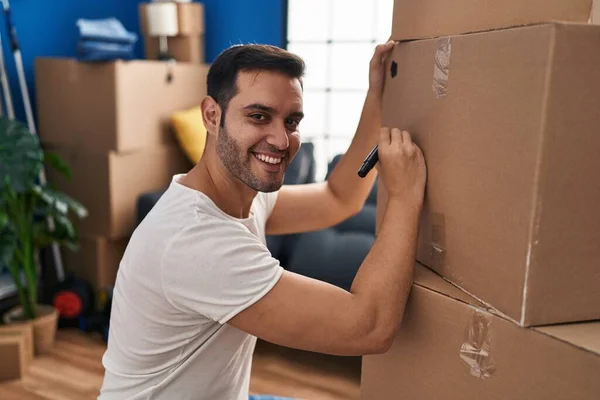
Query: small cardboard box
(182,48)
(450,346)
(190,18)
(508,123)
(14,351)
(113,106)
(97,261)
(109,184)
(24,329)
(435,18)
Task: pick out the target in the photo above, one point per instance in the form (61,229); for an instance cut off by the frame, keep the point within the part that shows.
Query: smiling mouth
(268,159)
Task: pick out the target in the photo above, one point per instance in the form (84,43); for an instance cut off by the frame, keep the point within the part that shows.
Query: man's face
(260,136)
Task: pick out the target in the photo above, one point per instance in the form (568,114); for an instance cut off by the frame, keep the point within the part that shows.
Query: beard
(239,164)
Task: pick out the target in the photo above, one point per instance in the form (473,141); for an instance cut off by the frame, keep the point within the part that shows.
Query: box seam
(117,71)
(538,176)
(485,31)
(564,341)
(484,306)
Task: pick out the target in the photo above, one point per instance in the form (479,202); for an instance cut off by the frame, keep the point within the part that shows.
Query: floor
(73,370)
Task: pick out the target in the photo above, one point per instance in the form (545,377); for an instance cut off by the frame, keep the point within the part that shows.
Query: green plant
(25,208)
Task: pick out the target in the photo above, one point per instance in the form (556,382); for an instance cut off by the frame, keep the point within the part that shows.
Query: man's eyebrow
(261,107)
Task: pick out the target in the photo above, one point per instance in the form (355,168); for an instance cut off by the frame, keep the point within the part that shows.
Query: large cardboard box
(109,184)
(119,105)
(449,346)
(182,48)
(508,122)
(97,261)
(434,18)
(190,18)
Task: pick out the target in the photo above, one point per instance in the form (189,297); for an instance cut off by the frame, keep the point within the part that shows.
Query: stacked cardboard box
(17,349)
(188,45)
(503,98)
(110,122)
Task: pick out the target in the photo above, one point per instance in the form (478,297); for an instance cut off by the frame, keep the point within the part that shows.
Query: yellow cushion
(190,131)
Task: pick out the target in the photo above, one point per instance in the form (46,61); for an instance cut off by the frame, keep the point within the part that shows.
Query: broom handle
(58,263)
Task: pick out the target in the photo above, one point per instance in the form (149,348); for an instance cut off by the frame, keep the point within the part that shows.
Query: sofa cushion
(146,202)
(302,168)
(330,256)
(190,132)
(363,222)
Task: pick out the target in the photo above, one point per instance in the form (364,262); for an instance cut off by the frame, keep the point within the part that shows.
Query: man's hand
(402,166)
(377,67)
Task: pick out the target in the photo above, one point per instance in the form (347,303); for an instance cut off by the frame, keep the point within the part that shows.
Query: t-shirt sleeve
(270,200)
(217,269)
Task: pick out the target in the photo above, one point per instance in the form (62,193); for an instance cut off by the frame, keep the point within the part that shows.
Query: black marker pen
(369,162)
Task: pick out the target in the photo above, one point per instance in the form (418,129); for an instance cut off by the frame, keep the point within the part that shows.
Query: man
(197,283)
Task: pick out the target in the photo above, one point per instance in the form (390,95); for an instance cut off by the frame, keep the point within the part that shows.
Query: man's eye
(293,123)
(258,117)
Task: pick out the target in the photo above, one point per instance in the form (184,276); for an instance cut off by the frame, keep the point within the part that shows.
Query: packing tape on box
(476,350)
(441,68)
(438,240)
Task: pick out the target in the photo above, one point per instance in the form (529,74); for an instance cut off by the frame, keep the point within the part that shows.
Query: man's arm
(303,208)
(308,314)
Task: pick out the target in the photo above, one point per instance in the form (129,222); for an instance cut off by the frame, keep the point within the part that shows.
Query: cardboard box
(508,122)
(13,348)
(120,105)
(190,18)
(24,329)
(97,260)
(181,48)
(109,184)
(435,18)
(450,347)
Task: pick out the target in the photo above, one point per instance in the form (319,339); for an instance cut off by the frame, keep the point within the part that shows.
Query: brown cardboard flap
(585,335)
(436,18)
(428,279)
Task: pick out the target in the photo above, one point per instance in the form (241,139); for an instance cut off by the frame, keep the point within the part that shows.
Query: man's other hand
(377,67)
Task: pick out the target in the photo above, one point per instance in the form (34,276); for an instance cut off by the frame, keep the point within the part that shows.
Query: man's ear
(211,114)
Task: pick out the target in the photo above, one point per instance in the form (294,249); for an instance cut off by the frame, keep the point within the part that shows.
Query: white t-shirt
(189,268)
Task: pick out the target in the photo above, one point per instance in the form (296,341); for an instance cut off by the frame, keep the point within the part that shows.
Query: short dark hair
(222,75)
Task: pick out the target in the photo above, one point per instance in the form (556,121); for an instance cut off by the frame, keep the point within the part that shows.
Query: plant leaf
(8,245)
(58,163)
(64,233)
(58,203)
(3,220)
(21,156)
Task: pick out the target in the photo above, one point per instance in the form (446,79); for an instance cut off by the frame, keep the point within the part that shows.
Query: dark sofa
(331,255)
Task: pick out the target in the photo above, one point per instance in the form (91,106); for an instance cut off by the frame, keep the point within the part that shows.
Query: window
(336,39)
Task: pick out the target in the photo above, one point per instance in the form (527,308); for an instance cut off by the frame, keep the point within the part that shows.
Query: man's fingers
(381,51)
(406,139)
(384,136)
(397,136)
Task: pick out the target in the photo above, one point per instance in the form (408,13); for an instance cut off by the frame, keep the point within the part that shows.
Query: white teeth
(267,159)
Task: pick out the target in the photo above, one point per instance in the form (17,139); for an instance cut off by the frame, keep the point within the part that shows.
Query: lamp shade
(162,19)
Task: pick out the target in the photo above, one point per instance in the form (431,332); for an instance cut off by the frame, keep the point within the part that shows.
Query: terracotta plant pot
(44,326)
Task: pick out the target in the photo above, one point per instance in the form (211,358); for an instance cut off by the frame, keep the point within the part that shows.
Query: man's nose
(279,138)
